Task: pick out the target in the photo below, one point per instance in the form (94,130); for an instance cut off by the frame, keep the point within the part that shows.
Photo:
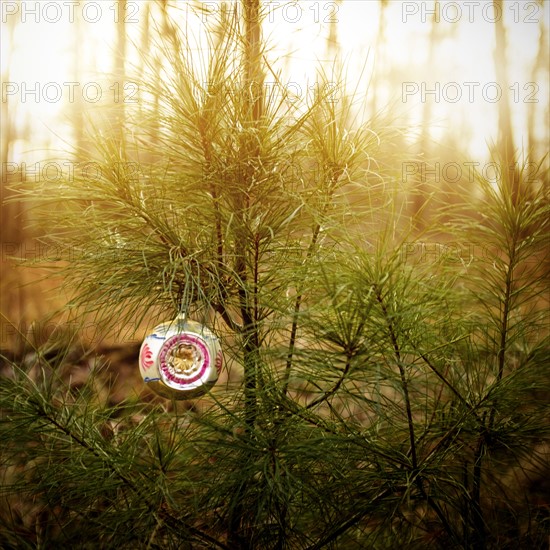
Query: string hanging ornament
(180,359)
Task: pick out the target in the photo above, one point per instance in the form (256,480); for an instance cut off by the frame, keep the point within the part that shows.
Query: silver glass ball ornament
(180,359)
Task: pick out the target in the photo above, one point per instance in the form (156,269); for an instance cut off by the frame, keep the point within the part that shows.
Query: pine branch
(161,514)
(336,387)
(404,383)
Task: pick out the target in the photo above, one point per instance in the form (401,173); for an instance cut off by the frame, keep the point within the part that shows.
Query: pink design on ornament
(146,357)
(219,361)
(172,370)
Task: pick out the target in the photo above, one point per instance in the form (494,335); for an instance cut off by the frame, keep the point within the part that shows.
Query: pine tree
(377,396)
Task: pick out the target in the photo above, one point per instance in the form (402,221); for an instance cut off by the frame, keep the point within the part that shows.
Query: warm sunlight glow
(275,274)
(458,81)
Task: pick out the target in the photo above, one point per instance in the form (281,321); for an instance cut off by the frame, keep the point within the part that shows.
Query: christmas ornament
(180,359)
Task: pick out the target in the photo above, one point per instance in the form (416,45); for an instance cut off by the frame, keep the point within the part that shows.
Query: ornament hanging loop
(182,302)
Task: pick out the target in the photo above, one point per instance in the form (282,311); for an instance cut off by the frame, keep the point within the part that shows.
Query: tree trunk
(379,76)
(119,71)
(420,187)
(506,149)
(540,64)
(239,536)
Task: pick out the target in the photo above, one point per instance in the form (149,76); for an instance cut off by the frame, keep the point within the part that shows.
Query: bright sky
(38,67)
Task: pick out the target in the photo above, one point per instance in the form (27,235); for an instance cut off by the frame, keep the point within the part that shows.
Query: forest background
(458,79)
(353,196)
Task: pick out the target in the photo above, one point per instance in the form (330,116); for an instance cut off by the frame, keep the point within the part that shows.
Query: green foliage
(385,400)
